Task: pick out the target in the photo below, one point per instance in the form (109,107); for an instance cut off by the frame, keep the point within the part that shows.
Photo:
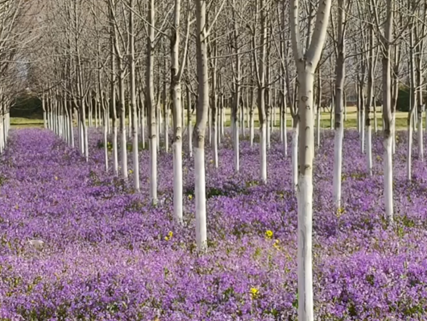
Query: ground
(79,244)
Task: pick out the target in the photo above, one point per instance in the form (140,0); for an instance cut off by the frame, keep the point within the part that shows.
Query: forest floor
(77,243)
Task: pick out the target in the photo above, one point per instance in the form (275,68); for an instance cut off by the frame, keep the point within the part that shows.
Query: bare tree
(306,62)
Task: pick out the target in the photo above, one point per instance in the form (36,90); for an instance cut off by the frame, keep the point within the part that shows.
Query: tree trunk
(387,115)
(368,127)
(133,105)
(262,117)
(306,65)
(339,100)
(177,114)
(123,140)
(200,128)
(153,129)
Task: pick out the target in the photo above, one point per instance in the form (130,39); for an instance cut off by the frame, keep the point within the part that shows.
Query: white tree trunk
(133,108)
(153,169)
(71,128)
(295,156)
(369,149)
(105,141)
(154,136)
(200,196)
(305,272)
(166,129)
(177,182)
(176,74)
(200,129)
(339,135)
(375,116)
(190,138)
(319,115)
(263,152)
(362,131)
(123,145)
(409,152)
(420,139)
(268,131)
(143,126)
(215,143)
(285,132)
(388,177)
(393,133)
(251,128)
(236,145)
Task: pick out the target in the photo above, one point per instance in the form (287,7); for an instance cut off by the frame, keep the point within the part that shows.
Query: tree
(200,128)
(306,62)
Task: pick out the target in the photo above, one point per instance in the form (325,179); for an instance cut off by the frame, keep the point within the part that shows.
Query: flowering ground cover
(78,244)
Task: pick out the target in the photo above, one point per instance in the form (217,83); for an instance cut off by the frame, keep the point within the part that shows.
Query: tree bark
(200,128)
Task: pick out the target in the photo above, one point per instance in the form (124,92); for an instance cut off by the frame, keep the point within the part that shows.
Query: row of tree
(125,63)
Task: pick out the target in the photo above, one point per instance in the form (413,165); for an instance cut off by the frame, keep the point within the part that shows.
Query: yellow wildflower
(169,236)
(269,234)
(190,197)
(276,244)
(340,211)
(56,178)
(254,293)
(130,171)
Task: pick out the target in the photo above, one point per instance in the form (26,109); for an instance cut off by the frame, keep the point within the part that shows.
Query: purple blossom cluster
(77,243)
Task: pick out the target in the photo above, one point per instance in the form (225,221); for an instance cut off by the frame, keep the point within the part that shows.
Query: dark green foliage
(27,105)
(403,100)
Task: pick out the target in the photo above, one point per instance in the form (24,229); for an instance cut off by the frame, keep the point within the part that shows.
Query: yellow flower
(269,234)
(56,178)
(276,244)
(190,197)
(169,236)
(340,211)
(254,293)
(16,206)
(130,171)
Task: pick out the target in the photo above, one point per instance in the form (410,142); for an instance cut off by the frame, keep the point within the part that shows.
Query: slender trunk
(251,117)
(339,100)
(133,105)
(153,129)
(295,154)
(413,103)
(200,129)
(284,120)
(369,100)
(388,115)
(105,140)
(262,117)
(44,111)
(123,140)
(177,114)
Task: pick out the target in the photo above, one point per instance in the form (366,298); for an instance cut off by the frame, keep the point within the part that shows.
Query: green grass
(17,122)
(350,122)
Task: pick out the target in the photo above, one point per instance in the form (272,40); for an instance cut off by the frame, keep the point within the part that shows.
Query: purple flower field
(107,254)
